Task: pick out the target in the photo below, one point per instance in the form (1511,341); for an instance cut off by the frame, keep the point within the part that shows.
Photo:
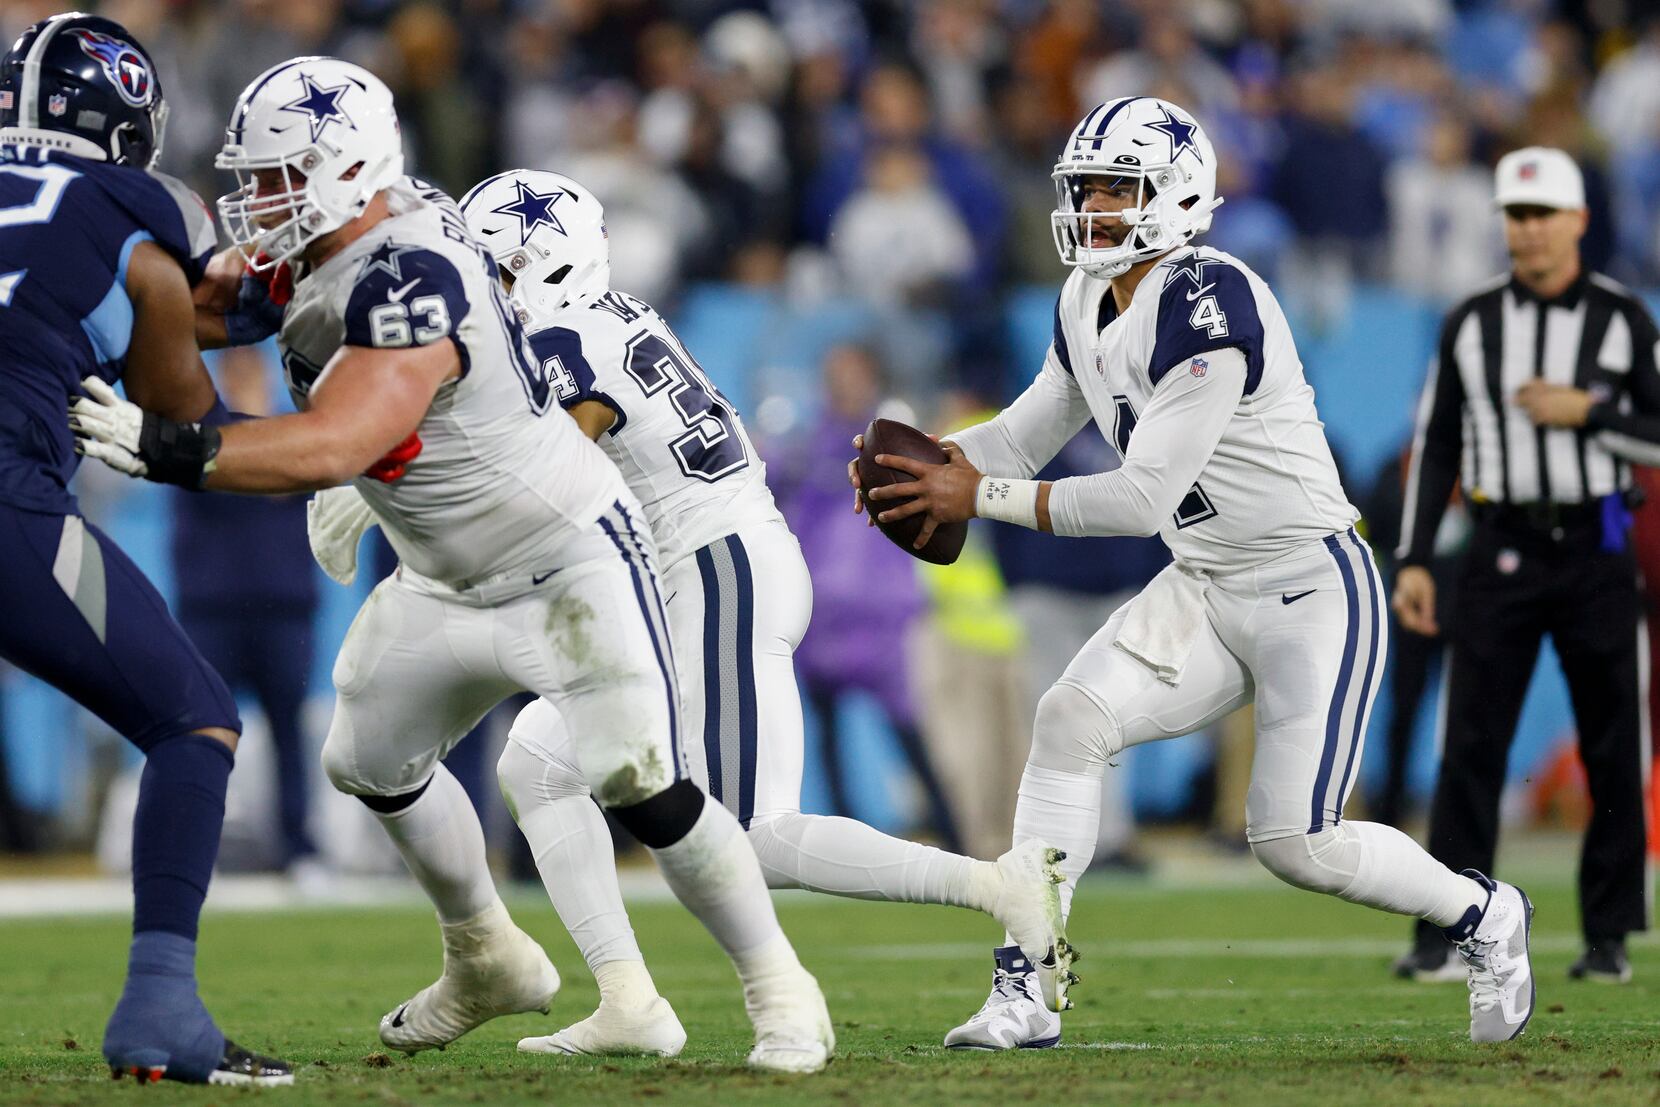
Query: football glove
(335,520)
(140,443)
(260,303)
(397,459)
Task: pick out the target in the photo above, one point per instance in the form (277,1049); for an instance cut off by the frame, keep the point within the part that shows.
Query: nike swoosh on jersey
(1293,599)
(399,294)
(540,577)
(1191,296)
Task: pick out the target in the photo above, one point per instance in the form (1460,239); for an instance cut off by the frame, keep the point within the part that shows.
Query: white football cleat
(1015,1015)
(1496,954)
(650,1030)
(1029,907)
(491,968)
(792,1024)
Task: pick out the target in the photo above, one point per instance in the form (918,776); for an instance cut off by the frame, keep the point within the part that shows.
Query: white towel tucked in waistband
(1164,621)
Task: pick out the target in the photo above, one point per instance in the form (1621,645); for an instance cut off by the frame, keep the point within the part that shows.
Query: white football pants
(1304,637)
(423,662)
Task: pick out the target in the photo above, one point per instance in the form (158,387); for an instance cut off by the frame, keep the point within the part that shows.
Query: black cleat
(245,1068)
(1604,961)
(1430,964)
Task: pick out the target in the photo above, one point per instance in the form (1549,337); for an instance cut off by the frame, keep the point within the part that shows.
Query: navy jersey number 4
(1195,506)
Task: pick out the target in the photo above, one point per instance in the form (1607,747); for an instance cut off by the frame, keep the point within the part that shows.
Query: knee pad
(1072,732)
(1325,861)
(663,819)
(530,778)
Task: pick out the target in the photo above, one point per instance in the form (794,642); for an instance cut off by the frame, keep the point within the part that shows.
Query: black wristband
(177,453)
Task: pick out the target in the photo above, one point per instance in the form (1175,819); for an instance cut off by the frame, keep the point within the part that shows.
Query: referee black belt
(1542,520)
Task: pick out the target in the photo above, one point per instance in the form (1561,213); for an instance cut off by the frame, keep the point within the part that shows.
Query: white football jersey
(504,477)
(679,443)
(1270,485)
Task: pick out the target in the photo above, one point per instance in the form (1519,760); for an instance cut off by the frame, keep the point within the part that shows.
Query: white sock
(1396,874)
(572,847)
(443,844)
(625,984)
(824,853)
(1060,809)
(713,871)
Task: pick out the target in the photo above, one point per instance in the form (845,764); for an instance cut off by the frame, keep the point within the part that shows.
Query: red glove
(278,282)
(397,459)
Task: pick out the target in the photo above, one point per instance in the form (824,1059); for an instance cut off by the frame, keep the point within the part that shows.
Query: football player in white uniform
(1182,357)
(525,562)
(738,602)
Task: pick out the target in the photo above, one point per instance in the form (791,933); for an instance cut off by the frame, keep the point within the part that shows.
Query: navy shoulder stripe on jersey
(406,296)
(559,354)
(1060,339)
(1207,304)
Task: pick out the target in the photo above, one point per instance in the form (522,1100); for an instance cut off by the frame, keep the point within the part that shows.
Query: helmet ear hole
(558,275)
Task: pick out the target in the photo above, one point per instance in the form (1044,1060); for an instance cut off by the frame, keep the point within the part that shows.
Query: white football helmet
(546,232)
(316,120)
(1165,151)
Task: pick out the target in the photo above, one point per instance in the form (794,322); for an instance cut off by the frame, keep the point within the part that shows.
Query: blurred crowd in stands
(899,150)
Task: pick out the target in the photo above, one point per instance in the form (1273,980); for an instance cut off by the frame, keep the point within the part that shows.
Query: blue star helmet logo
(1180,134)
(320,105)
(532,209)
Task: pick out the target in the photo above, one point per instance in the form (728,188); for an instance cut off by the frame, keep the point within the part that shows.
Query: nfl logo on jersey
(57,105)
(1198,367)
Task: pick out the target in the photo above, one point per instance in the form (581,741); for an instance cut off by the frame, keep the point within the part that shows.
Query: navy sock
(181,809)
(160,1021)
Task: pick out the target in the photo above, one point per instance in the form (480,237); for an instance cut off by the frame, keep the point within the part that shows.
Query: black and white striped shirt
(1595,336)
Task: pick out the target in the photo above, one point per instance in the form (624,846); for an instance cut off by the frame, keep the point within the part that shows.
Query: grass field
(1247,995)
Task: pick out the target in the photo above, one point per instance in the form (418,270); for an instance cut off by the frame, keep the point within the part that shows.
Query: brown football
(886,436)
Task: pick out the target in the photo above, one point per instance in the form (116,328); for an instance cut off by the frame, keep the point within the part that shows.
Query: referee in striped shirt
(1543,389)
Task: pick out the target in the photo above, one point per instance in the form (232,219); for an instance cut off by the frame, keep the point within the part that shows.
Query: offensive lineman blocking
(517,542)
(1182,357)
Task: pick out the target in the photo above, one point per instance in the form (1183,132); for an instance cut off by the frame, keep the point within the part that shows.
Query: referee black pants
(1519,583)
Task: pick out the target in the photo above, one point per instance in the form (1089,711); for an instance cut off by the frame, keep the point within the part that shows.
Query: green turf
(1250,995)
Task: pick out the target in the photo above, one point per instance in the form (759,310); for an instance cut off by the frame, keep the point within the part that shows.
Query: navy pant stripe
(1340,693)
(747,724)
(662,625)
(1375,636)
(711,671)
(664,666)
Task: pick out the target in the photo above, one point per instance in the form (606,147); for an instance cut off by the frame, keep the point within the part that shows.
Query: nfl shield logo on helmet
(57,104)
(1198,367)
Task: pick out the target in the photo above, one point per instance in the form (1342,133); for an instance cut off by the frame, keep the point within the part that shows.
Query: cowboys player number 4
(1182,357)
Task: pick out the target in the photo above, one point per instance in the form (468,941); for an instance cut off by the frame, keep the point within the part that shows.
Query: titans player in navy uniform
(98,255)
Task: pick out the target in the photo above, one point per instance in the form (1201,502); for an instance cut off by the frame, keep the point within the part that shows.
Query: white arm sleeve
(1029,432)
(1171,444)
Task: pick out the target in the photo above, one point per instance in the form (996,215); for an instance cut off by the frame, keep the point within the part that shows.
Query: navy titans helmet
(83,84)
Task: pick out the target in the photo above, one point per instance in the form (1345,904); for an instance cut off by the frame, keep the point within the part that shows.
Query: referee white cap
(1541,176)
